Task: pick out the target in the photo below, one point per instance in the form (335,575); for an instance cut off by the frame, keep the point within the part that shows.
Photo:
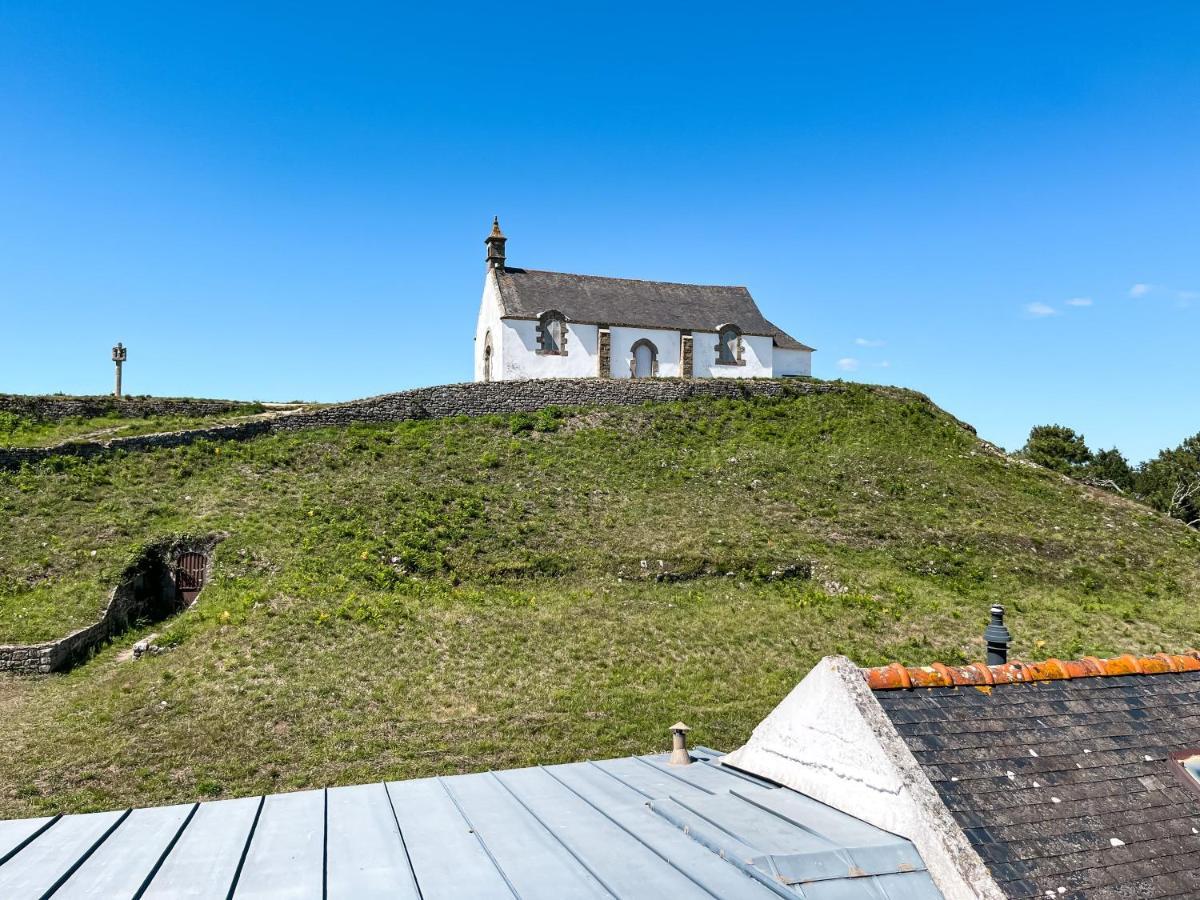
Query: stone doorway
(643,362)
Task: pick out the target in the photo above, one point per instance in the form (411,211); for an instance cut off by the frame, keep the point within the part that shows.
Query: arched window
(729,346)
(487,357)
(552,333)
(643,359)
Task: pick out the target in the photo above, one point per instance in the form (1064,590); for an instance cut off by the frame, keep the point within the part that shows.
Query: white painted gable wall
(489,321)
(830,739)
(792,362)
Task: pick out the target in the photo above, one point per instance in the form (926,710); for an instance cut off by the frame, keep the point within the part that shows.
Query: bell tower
(495,246)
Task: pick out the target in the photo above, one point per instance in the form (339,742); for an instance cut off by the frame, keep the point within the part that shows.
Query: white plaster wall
(792,362)
(489,320)
(522,361)
(830,739)
(756,351)
(622,340)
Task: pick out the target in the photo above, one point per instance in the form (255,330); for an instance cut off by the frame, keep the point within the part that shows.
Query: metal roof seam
(166,852)
(674,865)
(29,840)
(695,812)
(631,787)
(237,873)
(842,851)
(403,843)
(84,857)
(663,770)
(746,867)
(754,780)
(575,856)
(479,837)
(324,842)
(779,815)
(550,831)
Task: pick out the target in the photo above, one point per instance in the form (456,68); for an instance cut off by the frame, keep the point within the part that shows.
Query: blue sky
(995,204)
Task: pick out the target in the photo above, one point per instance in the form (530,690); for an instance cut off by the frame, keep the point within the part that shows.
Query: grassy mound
(27,431)
(440,596)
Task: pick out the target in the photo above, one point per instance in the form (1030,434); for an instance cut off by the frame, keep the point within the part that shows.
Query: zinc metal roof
(631,827)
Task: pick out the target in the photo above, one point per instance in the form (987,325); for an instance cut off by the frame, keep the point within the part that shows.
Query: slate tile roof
(527,293)
(1060,773)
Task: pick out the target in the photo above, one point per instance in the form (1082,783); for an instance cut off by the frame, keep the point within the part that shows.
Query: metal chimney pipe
(679,751)
(997,637)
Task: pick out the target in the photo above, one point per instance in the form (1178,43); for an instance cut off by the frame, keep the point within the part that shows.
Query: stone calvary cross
(118,356)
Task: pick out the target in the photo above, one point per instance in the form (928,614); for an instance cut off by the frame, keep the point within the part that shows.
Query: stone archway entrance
(643,359)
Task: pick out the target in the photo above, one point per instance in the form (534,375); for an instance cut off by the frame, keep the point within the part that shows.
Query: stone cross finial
(119,354)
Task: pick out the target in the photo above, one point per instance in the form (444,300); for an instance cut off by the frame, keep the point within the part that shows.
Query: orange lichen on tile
(896,676)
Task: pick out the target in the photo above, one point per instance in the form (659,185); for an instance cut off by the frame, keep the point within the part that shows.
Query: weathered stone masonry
(52,408)
(485,398)
(469,399)
(144,591)
(13,457)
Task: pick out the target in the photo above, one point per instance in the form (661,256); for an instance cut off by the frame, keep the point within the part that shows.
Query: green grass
(442,596)
(25,431)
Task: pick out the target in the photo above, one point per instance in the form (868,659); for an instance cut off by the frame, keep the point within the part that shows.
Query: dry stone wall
(13,457)
(469,399)
(144,590)
(53,408)
(485,398)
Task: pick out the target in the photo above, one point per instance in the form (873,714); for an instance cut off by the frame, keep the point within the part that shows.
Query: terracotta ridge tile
(896,676)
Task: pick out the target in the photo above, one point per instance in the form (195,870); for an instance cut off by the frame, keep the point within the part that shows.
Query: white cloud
(1080,301)
(1182,298)
(848,364)
(1040,310)
(869,342)
(885,364)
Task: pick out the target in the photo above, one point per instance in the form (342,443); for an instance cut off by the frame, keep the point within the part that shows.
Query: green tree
(1110,469)
(1171,481)
(1057,447)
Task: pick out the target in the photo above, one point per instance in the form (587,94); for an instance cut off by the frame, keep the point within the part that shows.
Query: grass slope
(440,596)
(26,431)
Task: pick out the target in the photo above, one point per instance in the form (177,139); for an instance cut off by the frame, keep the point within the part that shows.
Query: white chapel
(555,325)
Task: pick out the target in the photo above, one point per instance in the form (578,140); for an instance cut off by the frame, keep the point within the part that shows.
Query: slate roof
(527,293)
(631,827)
(1060,774)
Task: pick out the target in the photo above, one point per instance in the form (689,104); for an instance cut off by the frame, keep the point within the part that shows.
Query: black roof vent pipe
(997,637)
